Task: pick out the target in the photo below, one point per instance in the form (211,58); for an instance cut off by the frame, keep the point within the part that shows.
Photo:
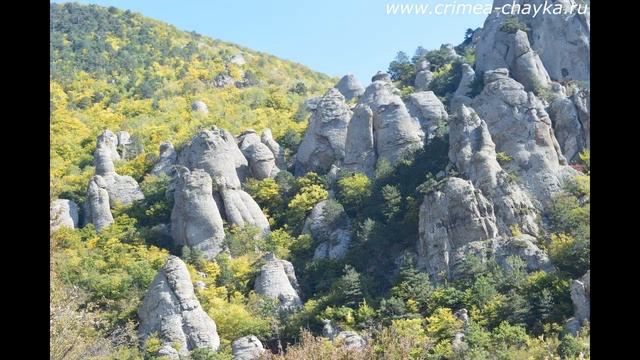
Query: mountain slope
(120,70)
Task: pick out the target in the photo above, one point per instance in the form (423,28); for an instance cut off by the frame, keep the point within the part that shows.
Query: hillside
(212,202)
(120,70)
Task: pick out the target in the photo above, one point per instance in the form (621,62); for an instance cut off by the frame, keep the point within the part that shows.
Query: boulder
(380,76)
(98,210)
(195,219)
(237,59)
(239,207)
(217,153)
(168,158)
(199,106)
(581,298)
(428,110)
(350,340)
(350,87)
(261,159)
(122,189)
(278,153)
(463,92)
(247,348)
(222,80)
(63,213)
(324,140)
(277,280)
(171,310)
(424,76)
(329,225)
(129,147)
(110,141)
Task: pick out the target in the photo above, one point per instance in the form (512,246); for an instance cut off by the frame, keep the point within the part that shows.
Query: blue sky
(335,37)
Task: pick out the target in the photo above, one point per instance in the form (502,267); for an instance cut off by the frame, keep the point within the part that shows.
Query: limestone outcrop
(195,219)
(277,280)
(171,310)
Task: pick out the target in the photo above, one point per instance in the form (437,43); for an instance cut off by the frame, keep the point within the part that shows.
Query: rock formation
(521,128)
(473,152)
(567,124)
(278,153)
(63,213)
(324,140)
(247,348)
(329,225)
(171,309)
(199,106)
(424,76)
(237,59)
(110,141)
(195,219)
(129,147)
(277,280)
(239,207)
(121,188)
(457,221)
(428,110)
(513,51)
(350,87)
(462,94)
(168,157)
(560,41)
(217,153)
(261,159)
(350,340)
(450,218)
(581,297)
(394,133)
(98,211)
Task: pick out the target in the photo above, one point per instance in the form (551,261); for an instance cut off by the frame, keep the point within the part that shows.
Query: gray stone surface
(168,158)
(521,128)
(277,280)
(380,119)
(195,219)
(122,189)
(239,208)
(200,106)
(329,225)
(324,140)
(428,110)
(63,213)
(98,210)
(473,152)
(217,153)
(350,340)
(581,298)
(278,153)
(562,42)
(567,126)
(449,218)
(350,87)
(262,163)
(247,348)
(171,309)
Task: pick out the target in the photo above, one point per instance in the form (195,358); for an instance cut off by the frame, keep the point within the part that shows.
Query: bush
(512,24)
(503,157)
(353,189)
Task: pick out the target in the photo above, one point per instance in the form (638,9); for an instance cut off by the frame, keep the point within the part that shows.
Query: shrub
(512,24)
(503,157)
(353,189)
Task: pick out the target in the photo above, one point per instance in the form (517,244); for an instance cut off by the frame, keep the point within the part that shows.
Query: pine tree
(351,287)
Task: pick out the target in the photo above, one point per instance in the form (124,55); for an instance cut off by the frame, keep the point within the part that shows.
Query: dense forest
(118,70)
